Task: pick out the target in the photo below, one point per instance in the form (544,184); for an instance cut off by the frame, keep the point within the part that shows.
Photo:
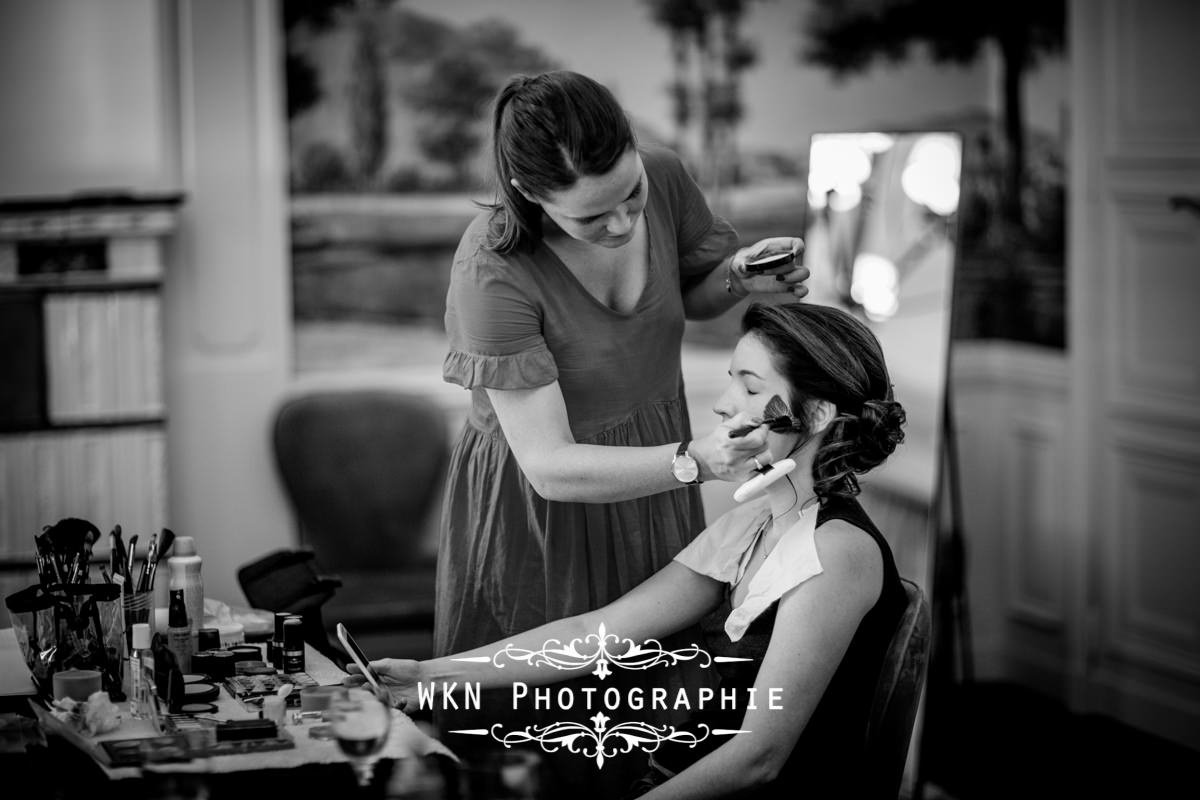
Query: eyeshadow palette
(249,690)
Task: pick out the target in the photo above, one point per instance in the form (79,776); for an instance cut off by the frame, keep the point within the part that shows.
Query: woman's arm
(670,600)
(813,627)
(536,427)
(711,296)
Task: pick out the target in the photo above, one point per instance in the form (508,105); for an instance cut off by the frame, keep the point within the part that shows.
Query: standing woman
(574,477)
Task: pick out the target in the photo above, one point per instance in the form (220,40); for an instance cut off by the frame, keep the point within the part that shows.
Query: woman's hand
(400,677)
(722,457)
(788,277)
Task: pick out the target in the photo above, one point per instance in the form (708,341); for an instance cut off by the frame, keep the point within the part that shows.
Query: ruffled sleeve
(522,370)
(494,325)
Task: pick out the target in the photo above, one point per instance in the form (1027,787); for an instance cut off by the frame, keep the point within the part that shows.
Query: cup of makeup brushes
(138,607)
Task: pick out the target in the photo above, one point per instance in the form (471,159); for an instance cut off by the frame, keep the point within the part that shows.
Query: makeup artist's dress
(509,560)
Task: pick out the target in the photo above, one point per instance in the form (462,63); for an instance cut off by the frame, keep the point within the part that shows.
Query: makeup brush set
(121,559)
(65,621)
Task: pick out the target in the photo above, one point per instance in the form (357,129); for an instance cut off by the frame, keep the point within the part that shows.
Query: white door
(1134,353)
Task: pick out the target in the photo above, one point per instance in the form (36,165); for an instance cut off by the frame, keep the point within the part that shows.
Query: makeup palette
(250,689)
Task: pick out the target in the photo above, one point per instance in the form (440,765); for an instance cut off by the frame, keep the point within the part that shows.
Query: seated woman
(798,581)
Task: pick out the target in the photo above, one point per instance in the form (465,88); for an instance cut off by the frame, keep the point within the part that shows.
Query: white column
(228,314)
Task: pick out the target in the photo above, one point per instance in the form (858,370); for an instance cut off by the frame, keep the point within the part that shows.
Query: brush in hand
(776,417)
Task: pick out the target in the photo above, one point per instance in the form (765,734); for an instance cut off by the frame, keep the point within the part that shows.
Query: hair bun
(880,430)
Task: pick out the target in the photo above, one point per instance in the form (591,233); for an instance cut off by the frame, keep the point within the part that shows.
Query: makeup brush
(776,417)
(765,477)
(45,549)
(132,556)
(779,420)
(72,540)
(165,540)
(151,554)
(118,570)
(90,537)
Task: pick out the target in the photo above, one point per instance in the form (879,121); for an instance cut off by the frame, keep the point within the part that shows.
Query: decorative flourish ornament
(573,656)
(601,742)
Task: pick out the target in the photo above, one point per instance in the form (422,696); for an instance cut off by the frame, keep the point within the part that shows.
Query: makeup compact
(200,692)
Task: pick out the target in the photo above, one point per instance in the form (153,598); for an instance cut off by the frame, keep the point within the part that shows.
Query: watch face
(685,468)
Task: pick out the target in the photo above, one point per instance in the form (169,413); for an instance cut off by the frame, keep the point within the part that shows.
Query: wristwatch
(683,466)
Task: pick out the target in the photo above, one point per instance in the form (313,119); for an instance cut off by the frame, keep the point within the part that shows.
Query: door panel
(1134,454)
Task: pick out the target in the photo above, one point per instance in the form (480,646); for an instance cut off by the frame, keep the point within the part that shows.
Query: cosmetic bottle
(136,670)
(275,645)
(293,646)
(148,705)
(184,565)
(179,631)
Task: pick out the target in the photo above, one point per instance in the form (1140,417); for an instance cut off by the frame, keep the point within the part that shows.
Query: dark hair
(548,130)
(825,353)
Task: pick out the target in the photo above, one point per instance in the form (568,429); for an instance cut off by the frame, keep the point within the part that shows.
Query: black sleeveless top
(828,756)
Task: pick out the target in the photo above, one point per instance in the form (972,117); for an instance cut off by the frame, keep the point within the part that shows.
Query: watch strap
(683,452)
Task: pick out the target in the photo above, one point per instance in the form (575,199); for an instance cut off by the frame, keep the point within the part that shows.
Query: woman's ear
(820,414)
(517,185)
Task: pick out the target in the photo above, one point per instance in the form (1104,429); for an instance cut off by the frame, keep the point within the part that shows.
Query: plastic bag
(70,626)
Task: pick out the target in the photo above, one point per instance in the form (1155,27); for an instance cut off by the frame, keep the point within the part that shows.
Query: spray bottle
(138,655)
(184,565)
(179,631)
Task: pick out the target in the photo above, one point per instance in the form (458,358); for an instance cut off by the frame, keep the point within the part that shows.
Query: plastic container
(231,633)
(77,684)
(273,708)
(210,639)
(179,631)
(137,694)
(185,564)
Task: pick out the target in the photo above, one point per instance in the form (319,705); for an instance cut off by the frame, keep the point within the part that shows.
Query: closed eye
(637,191)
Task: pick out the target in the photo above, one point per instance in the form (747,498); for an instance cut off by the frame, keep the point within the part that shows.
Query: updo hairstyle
(549,130)
(826,353)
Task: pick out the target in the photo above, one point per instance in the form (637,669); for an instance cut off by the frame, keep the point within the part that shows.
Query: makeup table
(311,764)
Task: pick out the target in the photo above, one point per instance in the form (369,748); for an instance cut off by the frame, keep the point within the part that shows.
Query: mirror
(880,242)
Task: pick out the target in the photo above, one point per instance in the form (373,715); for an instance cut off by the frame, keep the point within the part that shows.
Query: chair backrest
(288,580)
(362,468)
(898,695)
(285,580)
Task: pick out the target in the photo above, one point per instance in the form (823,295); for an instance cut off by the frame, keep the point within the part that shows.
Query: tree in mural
(455,74)
(850,37)
(368,93)
(708,31)
(301,17)
(684,24)
(368,87)
(451,98)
